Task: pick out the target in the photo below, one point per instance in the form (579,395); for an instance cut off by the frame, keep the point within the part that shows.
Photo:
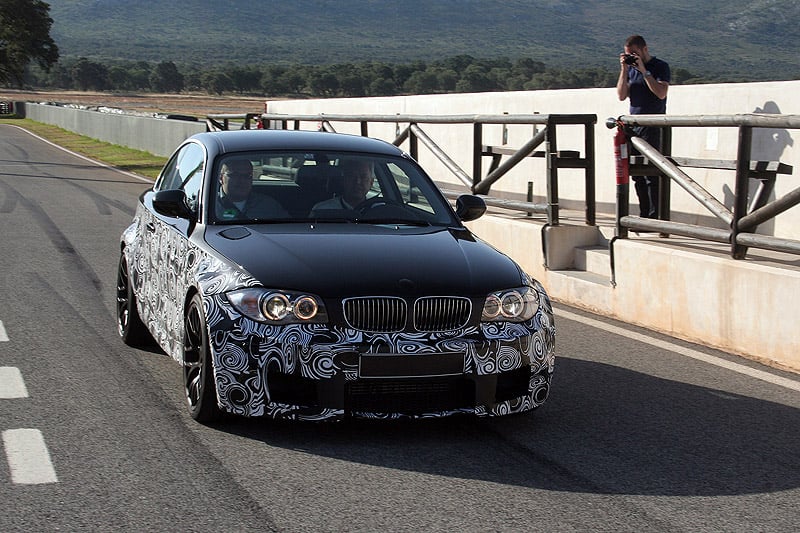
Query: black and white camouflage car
(284,300)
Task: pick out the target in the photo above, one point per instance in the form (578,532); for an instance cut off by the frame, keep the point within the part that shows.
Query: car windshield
(324,187)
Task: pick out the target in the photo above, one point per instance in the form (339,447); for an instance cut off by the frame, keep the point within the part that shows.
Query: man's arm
(623,88)
(657,87)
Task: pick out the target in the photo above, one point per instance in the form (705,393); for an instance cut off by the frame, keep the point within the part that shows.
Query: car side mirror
(469,207)
(172,203)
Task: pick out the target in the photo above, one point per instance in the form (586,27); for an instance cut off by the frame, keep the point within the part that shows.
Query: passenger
(235,200)
(357,178)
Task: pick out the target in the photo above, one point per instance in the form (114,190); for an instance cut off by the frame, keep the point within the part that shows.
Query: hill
(748,39)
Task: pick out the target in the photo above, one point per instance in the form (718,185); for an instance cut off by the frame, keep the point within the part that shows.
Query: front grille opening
(441,313)
(376,314)
(292,389)
(513,384)
(410,396)
(387,314)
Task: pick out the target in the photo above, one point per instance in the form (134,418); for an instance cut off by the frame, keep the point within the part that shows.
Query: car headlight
(278,307)
(512,305)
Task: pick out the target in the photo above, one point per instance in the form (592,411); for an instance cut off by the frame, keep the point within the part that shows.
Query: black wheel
(129,324)
(198,374)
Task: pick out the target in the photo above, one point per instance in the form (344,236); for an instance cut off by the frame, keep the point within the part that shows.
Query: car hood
(359,259)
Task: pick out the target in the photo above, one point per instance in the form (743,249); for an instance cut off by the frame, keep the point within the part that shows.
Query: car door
(167,243)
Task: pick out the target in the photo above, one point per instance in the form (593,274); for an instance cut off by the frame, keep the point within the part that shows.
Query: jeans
(647,186)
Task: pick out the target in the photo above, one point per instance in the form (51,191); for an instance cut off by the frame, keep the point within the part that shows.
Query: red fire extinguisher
(260,121)
(621,154)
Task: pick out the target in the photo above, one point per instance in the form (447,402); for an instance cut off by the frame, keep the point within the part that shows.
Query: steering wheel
(374,202)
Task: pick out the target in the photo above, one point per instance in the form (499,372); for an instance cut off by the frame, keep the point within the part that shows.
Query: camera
(630,59)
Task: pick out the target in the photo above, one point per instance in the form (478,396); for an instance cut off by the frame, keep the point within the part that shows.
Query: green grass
(136,161)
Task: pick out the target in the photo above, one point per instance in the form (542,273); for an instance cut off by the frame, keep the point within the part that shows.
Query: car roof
(246,140)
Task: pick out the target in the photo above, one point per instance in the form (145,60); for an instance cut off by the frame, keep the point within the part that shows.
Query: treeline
(459,74)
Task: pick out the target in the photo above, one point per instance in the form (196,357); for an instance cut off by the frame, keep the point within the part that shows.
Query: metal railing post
(413,149)
(551,157)
(477,153)
(589,174)
(739,251)
(664,182)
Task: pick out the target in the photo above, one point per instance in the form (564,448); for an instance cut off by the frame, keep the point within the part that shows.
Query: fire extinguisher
(621,154)
(260,121)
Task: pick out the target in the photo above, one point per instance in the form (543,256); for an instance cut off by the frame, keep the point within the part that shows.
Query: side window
(169,175)
(184,171)
(191,171)
(408,188)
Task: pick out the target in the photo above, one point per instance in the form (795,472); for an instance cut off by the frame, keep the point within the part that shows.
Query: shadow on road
(605,430)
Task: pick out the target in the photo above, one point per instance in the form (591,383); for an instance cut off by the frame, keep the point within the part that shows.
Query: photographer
(644,79)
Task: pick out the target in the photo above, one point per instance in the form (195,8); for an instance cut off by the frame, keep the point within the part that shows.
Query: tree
(165,78)
(90,75)
(352,85)
(120,78)
(323,82)
(25,37)
(382,87)
(245,79)
(294,81)
(422,82)
(527,67)
(475,79)
(217,82)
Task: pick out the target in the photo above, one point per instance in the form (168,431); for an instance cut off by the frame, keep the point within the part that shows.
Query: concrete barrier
(154,135)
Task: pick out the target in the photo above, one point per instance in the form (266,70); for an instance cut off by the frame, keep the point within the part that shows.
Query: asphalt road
(641,433)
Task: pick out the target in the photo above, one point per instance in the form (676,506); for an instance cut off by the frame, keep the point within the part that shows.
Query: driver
(357,175)
(236,199)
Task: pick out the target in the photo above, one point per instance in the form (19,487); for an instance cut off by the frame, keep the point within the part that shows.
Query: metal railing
(414,134)
(743,220)
(242,121)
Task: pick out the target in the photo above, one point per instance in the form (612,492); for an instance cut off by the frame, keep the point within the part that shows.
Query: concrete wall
(156,136)
(701,142)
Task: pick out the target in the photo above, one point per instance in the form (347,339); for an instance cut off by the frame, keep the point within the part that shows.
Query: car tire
(129,324)
(198,372)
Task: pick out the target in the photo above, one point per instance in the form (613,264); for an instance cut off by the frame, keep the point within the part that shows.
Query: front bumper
(315,372)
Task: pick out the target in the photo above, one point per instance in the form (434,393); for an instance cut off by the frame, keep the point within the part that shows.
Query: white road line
(28,458)
(3,335)
(11,383)
(687,352)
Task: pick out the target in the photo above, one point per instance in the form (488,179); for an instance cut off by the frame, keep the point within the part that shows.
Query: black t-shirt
(643,101)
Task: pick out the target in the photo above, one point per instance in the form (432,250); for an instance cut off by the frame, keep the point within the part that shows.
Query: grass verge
(137,161)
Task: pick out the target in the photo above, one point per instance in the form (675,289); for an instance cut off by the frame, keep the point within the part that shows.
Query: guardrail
(414,134)
(744,219)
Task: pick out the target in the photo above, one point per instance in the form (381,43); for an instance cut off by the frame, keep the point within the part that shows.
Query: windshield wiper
(393,221)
